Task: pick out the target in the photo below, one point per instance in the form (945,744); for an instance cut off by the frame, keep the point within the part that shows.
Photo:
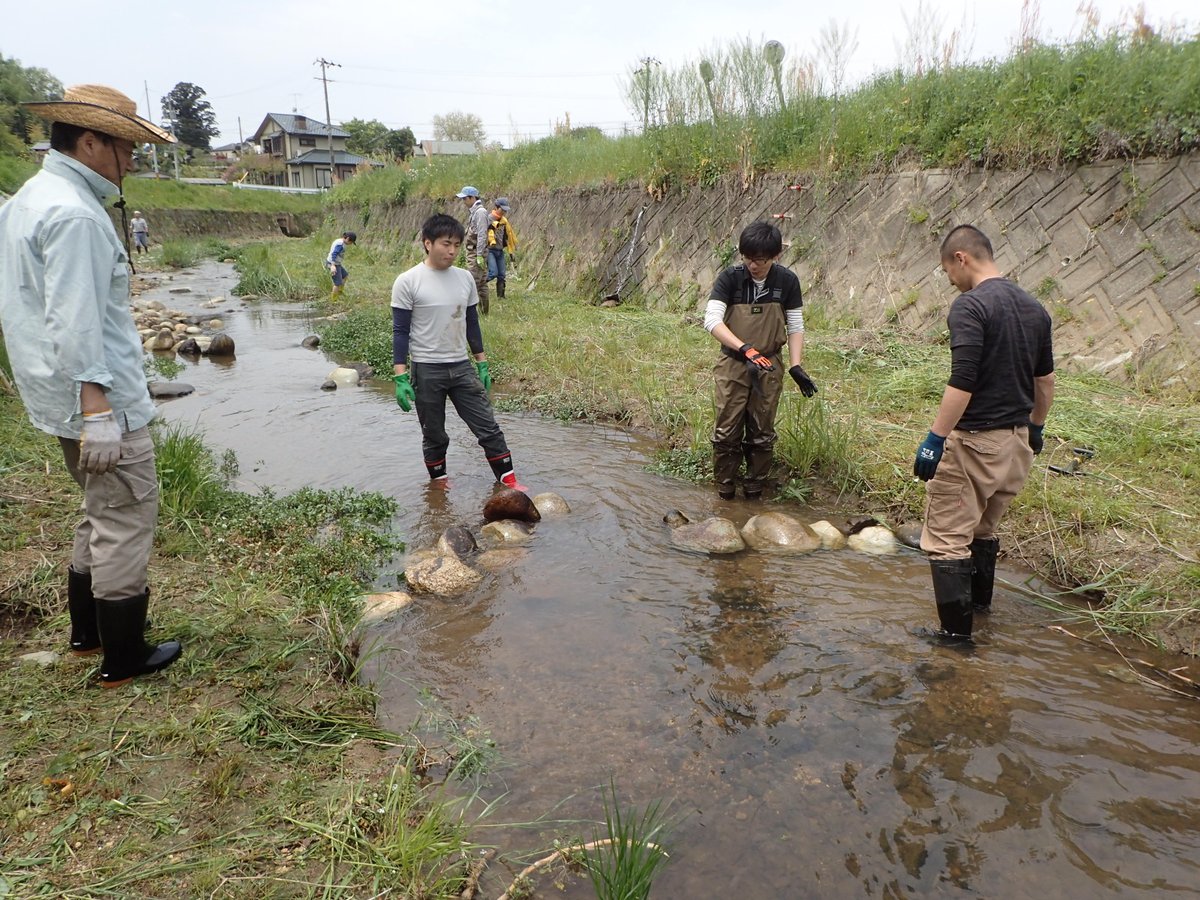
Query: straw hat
(101,109)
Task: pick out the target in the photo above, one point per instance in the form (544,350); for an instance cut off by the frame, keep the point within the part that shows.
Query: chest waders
(746,402)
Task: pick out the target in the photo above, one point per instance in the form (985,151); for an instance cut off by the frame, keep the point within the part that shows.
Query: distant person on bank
(476,241)
(988,428)
(77,362)
(435,320)
(501,240)
(140,229)
(753,311)
(333,261)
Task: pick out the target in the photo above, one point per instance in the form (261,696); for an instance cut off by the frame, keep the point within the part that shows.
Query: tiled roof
(291,123)
(320,156)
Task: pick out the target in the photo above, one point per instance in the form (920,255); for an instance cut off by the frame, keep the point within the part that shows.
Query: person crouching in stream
(435,319)
(753,310)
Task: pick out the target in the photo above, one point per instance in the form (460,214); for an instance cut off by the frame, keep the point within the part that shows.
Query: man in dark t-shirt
(988,428)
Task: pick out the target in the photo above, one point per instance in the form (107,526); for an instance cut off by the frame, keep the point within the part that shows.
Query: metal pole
(324,63)
(150,116)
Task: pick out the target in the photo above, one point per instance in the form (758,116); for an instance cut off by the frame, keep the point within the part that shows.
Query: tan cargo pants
(979,474)
(745,423)
(114,539)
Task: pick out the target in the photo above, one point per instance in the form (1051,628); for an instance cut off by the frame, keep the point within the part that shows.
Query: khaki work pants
(114,539)
(979,474)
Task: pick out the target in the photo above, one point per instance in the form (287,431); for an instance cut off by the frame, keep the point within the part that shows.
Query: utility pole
(175,134)
(324,64)
(150,116)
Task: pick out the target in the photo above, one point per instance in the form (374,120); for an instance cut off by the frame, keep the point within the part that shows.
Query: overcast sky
(519,66)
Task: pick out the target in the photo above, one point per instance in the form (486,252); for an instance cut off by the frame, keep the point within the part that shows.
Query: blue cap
(502,202)
(467,191)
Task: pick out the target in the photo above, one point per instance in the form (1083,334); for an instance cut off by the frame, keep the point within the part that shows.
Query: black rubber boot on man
(122,633)
(983,576)
(500,285)
(952,593)
(85,633)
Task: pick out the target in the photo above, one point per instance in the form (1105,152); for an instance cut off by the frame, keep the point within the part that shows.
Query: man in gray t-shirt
(435,318)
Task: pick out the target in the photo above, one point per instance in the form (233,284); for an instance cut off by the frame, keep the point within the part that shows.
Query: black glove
(929,454)
(1036,439)
(807,386)
(756,359)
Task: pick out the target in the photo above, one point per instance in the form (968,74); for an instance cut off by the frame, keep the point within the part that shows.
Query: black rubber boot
(952,593)
(983,575)
(122,633)
(500,285)
(85,633)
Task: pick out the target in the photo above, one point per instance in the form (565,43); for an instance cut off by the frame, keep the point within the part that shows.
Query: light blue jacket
(64,299)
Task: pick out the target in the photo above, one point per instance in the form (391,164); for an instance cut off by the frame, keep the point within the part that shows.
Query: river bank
(259,757)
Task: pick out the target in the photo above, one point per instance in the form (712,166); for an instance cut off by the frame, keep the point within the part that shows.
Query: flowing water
(809,744)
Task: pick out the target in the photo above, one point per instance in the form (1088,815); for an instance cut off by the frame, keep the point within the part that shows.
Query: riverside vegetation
(254,768)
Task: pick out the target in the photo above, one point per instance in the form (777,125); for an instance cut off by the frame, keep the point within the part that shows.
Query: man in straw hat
(77,362)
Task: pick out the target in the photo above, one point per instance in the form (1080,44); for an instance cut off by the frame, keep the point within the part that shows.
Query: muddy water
(810,745)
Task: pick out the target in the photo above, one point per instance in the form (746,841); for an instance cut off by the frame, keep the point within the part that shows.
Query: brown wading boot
(85,633)
(122,634)
(952,593)
(983,575)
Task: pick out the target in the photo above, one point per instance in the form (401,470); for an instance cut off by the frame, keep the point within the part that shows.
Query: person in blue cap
(475,244)
(501,239)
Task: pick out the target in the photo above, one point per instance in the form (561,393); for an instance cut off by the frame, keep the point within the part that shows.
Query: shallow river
(808,743)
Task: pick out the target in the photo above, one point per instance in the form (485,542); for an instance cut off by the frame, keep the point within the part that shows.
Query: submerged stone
(714,535)
(508,503)
(779,533)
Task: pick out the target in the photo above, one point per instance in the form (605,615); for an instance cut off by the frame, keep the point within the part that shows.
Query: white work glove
(332,268)
(99,443)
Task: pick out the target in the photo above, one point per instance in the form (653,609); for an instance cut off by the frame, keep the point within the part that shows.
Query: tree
(194,122)
(366,137)
(18,84)
(400,143)
(459,126)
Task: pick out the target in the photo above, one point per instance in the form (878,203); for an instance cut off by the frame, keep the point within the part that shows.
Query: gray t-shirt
(438,300)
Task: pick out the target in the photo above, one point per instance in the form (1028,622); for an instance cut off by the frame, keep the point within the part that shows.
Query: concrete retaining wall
(1111,249)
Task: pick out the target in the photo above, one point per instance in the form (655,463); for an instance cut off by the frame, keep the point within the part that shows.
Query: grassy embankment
(1125,93)
(1129,529)
(252,767)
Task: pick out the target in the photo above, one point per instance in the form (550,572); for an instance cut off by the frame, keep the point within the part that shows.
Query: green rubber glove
(484,375)
(405,396)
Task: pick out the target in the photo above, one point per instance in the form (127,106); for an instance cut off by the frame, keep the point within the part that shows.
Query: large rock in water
(380,607)
(831,536)
(779,533)
(551,504)
(220,345)
(343,376)
(874,539)
(456,540)
(507,503)
(441,575)
(715,535)
(507,531)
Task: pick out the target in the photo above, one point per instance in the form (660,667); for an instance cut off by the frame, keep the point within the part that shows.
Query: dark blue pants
(432,384)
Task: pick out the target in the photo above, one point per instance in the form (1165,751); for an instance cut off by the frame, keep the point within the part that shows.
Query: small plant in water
(623,866)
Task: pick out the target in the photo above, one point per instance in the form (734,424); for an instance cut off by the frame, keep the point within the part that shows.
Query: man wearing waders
(753,310)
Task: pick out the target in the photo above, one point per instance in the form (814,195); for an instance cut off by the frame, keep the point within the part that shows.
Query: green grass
(253,766)
(147,193)
(180,253)
(622,863)
(1045,105)
(14,172)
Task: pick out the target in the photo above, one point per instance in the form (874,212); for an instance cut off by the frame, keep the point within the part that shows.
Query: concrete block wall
(1112,249)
